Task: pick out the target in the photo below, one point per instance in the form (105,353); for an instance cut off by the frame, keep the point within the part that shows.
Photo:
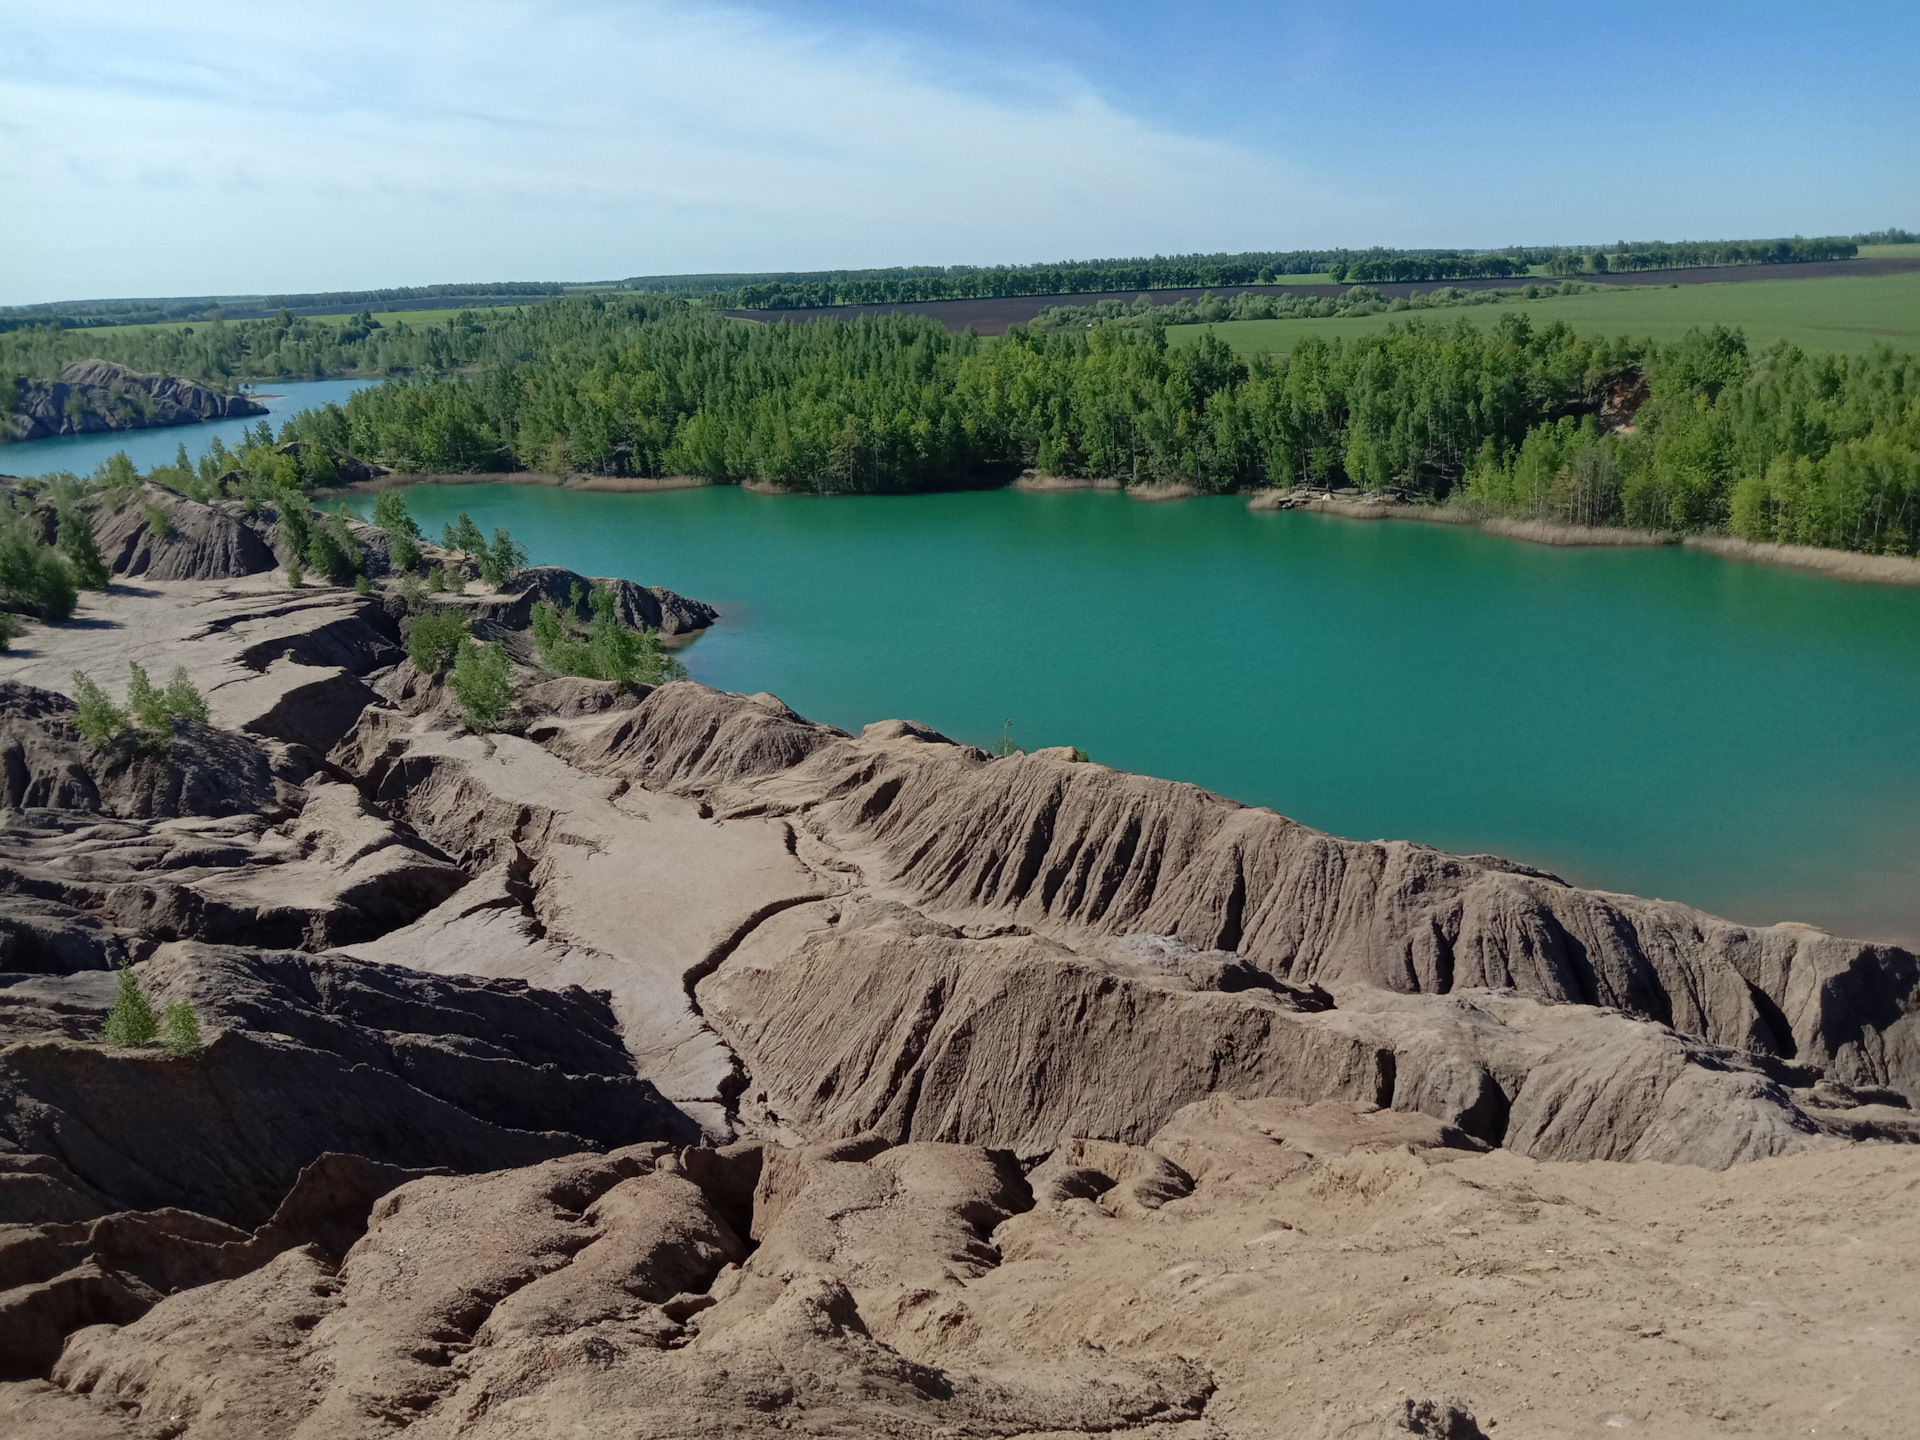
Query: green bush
(149,706)
(404,554)
(607,651)
(296,577)
(182,697)
(81,549)
(97,718)
(296,519)
(433,641)
(33,576)
(117,474)
(146,702)
(332,550)
(8,626)
(180,1029)
(362,585)
(482,681)
(464,535)
(156,519)
(131,1021)
(390,514)
(502,558)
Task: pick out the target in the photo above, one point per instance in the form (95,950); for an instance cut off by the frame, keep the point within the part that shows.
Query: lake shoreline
(1836,564)
(601,484)
(1845,565)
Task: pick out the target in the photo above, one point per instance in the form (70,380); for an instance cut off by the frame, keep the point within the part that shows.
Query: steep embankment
(92,396)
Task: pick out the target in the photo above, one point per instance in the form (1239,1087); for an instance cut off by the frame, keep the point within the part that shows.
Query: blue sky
(226,148)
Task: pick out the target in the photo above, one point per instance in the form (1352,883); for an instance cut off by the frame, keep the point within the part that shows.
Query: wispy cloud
(219,149)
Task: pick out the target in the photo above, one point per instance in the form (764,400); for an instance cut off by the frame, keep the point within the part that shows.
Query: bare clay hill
(666,1064)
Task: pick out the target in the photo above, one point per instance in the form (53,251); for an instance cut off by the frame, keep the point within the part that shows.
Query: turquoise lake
(1652,721)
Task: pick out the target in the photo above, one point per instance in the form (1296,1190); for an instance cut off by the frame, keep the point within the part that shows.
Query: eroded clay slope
(1078,850)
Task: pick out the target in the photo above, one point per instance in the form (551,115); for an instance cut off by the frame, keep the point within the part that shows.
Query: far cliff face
(94,396)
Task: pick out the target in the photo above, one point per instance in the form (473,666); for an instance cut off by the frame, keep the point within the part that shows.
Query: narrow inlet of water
(81,454)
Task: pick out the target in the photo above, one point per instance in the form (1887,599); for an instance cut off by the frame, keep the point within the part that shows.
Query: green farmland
(1849,314)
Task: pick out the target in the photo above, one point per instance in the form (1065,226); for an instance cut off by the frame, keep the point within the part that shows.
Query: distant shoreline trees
(1517,416)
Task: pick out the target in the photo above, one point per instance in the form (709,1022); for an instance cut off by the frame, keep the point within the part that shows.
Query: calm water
(81,453)
(1654,721)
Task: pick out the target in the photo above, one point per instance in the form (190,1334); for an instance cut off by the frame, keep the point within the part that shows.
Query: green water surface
(1653,721)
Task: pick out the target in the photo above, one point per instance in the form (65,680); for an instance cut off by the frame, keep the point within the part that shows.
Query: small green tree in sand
(434,639)
(182,697)
(502,558)
(390,514)
(97,719)
(146,700)
(482,681)
(464,535)
(76,542)
(131,1021)
(180,1029)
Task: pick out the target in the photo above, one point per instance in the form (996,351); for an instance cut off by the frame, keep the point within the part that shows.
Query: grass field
(1849,315)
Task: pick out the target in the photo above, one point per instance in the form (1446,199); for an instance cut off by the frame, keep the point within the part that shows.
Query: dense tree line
(1786,446)
(283,347)
(1661,255)
(1401,269)
(897,403)
(1076,277)
(1177,272)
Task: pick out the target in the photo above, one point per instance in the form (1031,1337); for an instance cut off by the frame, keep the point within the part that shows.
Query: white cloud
(222,149)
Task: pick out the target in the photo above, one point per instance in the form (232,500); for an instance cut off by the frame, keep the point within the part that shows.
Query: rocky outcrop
(277,663)
(207,834)
(305,1055)
(156,534)
(57,1278)
(92,396)
(639,607)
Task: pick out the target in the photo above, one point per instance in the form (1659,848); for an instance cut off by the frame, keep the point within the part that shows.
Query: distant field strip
(410,317)
(1847,314)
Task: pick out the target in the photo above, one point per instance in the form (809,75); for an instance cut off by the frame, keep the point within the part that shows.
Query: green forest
(283,347)
(1516,418)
